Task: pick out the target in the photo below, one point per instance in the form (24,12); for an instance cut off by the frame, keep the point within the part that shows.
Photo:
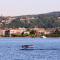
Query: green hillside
(48,20)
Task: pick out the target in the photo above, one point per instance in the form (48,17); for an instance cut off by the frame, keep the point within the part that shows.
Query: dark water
(44,49)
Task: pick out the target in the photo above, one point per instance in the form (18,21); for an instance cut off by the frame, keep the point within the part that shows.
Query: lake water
(44,49)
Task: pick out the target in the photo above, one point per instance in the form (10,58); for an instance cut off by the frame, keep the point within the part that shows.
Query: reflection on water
(10,49)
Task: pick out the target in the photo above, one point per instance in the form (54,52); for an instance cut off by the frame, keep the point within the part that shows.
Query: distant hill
(47,20)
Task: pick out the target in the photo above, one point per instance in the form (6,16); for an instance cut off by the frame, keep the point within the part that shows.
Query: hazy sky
(24,7)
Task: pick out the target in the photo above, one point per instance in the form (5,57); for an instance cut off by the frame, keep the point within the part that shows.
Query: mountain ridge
(46,20)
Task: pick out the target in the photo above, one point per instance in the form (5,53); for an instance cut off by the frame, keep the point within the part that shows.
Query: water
(44,49)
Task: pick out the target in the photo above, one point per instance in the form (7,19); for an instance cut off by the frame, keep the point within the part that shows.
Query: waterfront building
(17,31)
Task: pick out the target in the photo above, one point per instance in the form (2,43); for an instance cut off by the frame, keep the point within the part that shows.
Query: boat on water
(27,47)
(43,37)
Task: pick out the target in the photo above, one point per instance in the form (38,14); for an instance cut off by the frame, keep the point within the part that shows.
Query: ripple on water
(13,52)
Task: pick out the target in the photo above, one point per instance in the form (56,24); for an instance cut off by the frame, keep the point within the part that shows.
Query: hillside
(47,20)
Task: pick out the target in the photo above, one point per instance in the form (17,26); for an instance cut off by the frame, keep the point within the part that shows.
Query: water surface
(45,49)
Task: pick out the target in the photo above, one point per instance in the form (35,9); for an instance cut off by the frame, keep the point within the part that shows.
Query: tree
(32,32)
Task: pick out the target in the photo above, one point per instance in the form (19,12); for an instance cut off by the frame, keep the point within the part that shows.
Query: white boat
(43,37)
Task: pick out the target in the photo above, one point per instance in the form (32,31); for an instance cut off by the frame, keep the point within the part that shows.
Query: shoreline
(29,37)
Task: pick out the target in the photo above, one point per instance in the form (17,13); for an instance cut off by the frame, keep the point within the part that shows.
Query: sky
(28,7)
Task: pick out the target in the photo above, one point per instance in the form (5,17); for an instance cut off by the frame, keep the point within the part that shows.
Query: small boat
(25,47)
(43,37)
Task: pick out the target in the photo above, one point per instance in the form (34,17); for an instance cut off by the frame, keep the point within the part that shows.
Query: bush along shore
(33,33)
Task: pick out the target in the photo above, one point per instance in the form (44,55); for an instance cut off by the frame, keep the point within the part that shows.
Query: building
(26,32)
(17,31)
(2,32)
(44,31)
(7,33)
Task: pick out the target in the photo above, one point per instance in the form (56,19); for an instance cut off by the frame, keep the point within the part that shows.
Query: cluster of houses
(10,31)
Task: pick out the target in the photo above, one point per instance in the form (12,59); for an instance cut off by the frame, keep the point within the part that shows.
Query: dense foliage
(48,20)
